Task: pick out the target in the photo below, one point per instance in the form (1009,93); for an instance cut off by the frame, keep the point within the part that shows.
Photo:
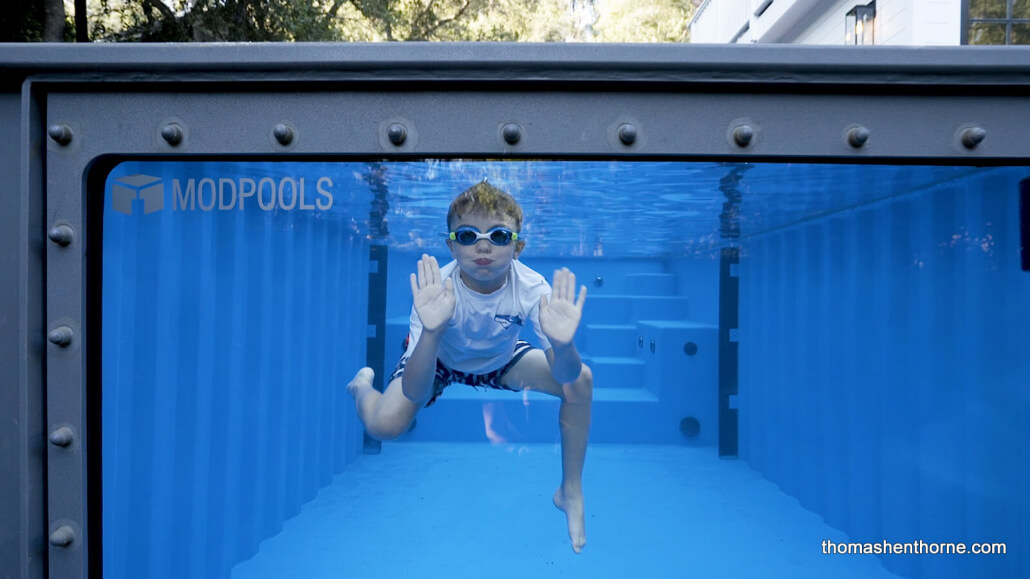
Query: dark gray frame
(848,104)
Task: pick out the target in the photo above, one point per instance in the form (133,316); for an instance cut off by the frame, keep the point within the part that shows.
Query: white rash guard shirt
(481,336)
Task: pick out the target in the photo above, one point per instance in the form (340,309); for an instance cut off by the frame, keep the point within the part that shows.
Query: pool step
(464,414)
(651,284)
(627,309)
(614,372)
(608,339)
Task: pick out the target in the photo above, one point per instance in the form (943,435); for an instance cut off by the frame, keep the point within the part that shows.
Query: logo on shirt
(507,321)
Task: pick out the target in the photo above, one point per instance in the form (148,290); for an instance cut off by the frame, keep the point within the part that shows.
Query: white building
(893,22)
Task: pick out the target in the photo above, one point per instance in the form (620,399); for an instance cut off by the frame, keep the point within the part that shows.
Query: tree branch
(335,8)
(370,14)
(445,21)
(165,11)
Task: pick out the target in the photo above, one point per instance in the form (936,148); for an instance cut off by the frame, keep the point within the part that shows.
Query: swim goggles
(466,235)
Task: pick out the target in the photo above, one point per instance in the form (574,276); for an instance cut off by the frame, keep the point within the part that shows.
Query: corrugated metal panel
(884,371)
(228,339)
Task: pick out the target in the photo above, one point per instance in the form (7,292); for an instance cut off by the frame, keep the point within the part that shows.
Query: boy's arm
(420,369)
(559,318)
(434,304)
(565,362)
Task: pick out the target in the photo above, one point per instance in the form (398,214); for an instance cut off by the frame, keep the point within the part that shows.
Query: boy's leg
(532,372)
(387,415)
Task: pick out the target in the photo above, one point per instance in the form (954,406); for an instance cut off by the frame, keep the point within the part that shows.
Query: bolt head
(743,135)
(283,133)
(397,134)
(973,136)
(62,437)
(61,336)
(172,133)
(62,536)
(627,134)
(512,133)
(61,235)
(858,136)
(61,134)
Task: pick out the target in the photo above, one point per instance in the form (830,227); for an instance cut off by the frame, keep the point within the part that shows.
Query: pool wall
(228,341)
(884,372)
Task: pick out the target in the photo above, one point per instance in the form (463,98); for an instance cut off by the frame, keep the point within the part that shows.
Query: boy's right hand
(434,299)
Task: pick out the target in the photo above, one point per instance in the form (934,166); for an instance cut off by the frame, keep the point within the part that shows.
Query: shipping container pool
(791,360)
(807,276)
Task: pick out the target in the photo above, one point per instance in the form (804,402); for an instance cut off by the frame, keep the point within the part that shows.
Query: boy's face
(484,266)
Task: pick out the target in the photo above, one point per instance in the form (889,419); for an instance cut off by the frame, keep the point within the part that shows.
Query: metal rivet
(858,136)
(627,134)
(512,133)
(972,137)
(397,134)
(61,234)
(598,281)
(283,134)
(743,135)
(652,346)
(62,536)
(61,134)
(61,335)
(63,436)
(172,133)
(690,348)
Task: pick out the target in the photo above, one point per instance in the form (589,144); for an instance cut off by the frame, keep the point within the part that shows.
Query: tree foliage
(22,22)
(210,20)
(651,21)
(377,20)
(35,21)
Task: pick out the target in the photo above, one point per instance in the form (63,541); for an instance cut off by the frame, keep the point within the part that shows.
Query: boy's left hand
(559,316)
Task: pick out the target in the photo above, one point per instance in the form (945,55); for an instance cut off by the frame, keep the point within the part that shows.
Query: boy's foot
(572,505)
(362,380)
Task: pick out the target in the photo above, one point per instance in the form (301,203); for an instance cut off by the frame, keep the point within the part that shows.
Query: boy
(464,327)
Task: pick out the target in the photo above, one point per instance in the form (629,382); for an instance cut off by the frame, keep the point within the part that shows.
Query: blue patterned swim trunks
(446,376)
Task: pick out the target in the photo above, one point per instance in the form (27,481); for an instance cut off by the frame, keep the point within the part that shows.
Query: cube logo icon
(125,190)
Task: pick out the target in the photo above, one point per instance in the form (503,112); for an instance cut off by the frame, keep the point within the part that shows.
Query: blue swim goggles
(467,235)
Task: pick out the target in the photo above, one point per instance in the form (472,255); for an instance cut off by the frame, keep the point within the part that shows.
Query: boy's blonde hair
(488,199)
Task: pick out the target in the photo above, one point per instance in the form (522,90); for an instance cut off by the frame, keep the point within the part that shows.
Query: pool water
(879,390)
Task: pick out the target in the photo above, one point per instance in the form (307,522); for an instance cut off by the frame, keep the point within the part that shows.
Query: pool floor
(484,510)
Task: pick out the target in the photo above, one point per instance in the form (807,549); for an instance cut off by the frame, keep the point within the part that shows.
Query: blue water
(883,375)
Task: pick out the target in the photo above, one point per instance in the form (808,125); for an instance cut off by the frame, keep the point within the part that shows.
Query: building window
(996,22)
